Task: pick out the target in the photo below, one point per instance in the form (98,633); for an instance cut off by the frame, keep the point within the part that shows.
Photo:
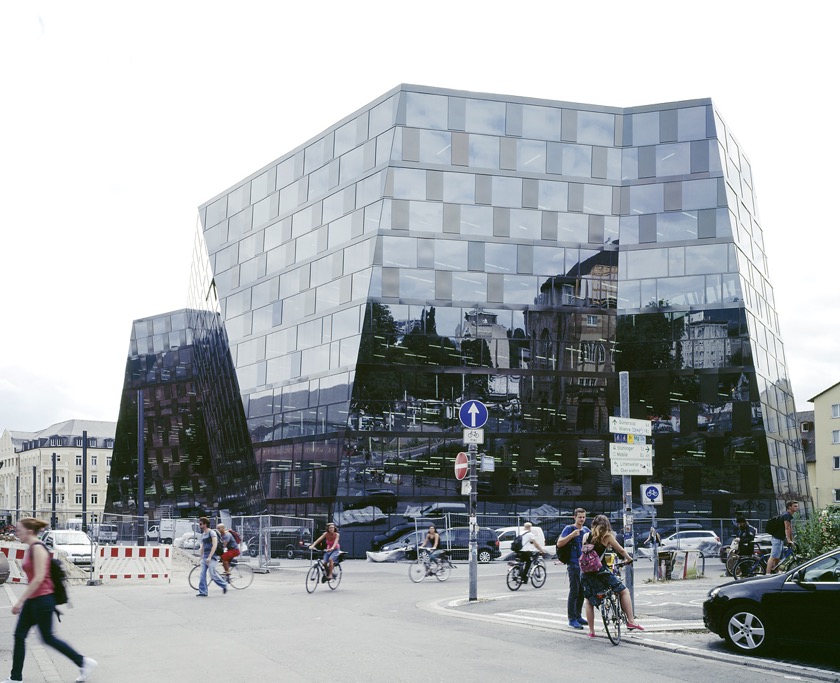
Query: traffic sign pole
(627,484)
(473,450)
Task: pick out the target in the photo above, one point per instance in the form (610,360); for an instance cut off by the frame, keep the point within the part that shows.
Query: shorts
(228,555)
(598,582)
(331,555)
(776,547)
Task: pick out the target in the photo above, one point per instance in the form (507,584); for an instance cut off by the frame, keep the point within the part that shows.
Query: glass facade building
(439,245)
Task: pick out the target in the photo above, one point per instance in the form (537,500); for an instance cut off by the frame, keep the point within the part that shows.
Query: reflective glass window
(303,221)
(347,136)
(507,191)
(426,216)
(240,223)
(450,255)
(706,258)
(682,291)
(263,185)
(691,123)
(553,195)
(262,319)
(525,224)
(647,263)
(352,165)
(530,156)
(700,194)
(500,258)
(676,261)
(288,171)
(265,210)
(307,246)
(573,227)
(426,111)
(370,189)
(238,199)
(417,284)
(485,116)
(646,198)
(542,123)
(646,129)
(328,296)
(595,128)
(322,180)
(345,323)
(520,289)
(597,199)
(340,231)
(629,295)
(227,258)
(435,147)
(483,151)
(577,160)
(477,220)
(673,159)
(409,183)
(399,252)
(459,188)
(469,287)
(315,360)
(309,334)
(676,225)
(629,163)
(358,256)
(382,116)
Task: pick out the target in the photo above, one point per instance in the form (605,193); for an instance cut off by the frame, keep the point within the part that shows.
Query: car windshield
(70,538)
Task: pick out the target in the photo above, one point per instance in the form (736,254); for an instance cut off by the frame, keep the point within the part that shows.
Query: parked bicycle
(440,567)
(611,613)
(757,565)
(317,573)
(536,574)
(240,577)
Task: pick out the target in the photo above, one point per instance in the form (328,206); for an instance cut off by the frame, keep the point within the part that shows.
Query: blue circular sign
(473,414)
(652,492)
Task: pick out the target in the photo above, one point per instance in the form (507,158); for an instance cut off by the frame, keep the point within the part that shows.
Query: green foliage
(819,533)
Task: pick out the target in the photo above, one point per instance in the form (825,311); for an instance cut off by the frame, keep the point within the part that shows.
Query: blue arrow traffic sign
(473,414)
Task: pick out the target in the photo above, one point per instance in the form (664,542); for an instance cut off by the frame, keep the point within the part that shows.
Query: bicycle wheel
(746,568)
(538,576)
(514,578)
(611,618)
(313,578)
(444,569)
(731,561)
(241,576)
(417,571)
(336,577)
(195,574)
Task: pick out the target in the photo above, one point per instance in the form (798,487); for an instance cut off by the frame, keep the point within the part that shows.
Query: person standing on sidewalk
(209,558)
(572,536)
(37,604)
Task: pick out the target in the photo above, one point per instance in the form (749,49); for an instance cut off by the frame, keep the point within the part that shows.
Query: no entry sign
(461,465)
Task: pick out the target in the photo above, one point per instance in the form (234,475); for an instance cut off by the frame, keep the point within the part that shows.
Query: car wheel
(745,629)
(290,552)
(484,556)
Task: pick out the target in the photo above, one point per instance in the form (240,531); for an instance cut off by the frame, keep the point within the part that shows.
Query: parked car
(753,614)
(384,499)
(286,541)
(457,542)
(396,532)
(706,542)
(153,533)
(507,533)
(408,541)
(76,544)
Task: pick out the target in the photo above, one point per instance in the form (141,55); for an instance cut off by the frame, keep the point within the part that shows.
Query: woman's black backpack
(58,578)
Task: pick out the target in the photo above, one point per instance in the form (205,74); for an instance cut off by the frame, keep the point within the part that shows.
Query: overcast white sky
(118,119)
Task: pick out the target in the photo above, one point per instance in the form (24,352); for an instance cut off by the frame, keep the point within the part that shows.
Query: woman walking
(37,604)
(602,538)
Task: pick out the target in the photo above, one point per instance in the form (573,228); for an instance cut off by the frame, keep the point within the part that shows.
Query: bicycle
(439,567)
(611,613)
(318,574)
(757,565)
(240,577)
(537,573)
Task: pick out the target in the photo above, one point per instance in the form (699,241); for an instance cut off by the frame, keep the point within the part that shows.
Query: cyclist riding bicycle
(431,542)
(745,533)
(331,551)
(530,546)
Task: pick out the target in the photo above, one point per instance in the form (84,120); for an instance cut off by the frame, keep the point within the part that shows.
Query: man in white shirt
(530,545)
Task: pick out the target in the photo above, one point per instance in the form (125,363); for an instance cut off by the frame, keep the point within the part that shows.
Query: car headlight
(714,592)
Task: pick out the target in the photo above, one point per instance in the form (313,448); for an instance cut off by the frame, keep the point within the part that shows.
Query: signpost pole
(627,482)
(473,451)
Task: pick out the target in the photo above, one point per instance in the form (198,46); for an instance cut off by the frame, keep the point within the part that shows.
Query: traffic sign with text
(473,414)
(475,436)
(628,425)
(626,450)
(630,438)
(630,467)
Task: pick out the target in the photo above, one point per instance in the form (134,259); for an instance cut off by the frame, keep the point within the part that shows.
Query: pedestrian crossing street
(555,621)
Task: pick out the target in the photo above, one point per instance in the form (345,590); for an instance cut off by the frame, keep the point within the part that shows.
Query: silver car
(706,542)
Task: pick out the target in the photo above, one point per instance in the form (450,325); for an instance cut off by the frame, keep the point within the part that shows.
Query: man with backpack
(526,546)
(781,529)
(209,558)
(568,552)
(229,541)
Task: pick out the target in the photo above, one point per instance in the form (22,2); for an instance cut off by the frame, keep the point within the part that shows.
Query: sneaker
(574,623)
(323,579)
(224,590)
(201,595)
(10,680)
(582,621)
(88,665)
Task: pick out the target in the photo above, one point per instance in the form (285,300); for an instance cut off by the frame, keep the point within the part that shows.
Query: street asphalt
(379,626)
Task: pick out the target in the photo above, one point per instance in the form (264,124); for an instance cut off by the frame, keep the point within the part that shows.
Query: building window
(108,461)
(835,410)
(806,427)
(78,461)
(60,497)
(91,443)
(78,499)
(592,320)
(837,462)
(93,460)
(109,443)
(835,436)
(94,479)
(78,478)
(77,442)
(94,498)
(837,495)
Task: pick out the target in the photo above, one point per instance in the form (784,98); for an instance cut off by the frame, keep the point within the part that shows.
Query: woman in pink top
(330,538)
(37,604)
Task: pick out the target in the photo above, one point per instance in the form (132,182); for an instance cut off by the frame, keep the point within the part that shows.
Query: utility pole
(34,489)
(53,518)
(473,453)
(627,483)
(84,481)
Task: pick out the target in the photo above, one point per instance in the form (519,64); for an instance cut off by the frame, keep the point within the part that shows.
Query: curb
(438,607)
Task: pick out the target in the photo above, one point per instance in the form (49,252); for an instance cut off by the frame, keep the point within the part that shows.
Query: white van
(170,529)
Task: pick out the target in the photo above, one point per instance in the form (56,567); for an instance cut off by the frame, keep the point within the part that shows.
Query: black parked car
(457,540)
(800,605)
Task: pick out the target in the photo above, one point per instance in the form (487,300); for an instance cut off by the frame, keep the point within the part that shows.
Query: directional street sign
(475,436)
(630,467)
(626,450)
(473,414)
(462,464)
(630,438)
(488,463)
(627,425)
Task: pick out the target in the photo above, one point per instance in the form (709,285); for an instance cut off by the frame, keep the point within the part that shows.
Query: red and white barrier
(14,552)
(133,563)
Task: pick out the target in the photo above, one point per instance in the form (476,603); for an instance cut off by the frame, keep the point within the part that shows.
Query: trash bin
(5,570)
(666,563)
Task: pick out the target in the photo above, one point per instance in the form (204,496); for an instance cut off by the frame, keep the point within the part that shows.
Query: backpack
(236,536)
(776,528)
(590,561)
(58,577)
(564,553)
(516,543)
